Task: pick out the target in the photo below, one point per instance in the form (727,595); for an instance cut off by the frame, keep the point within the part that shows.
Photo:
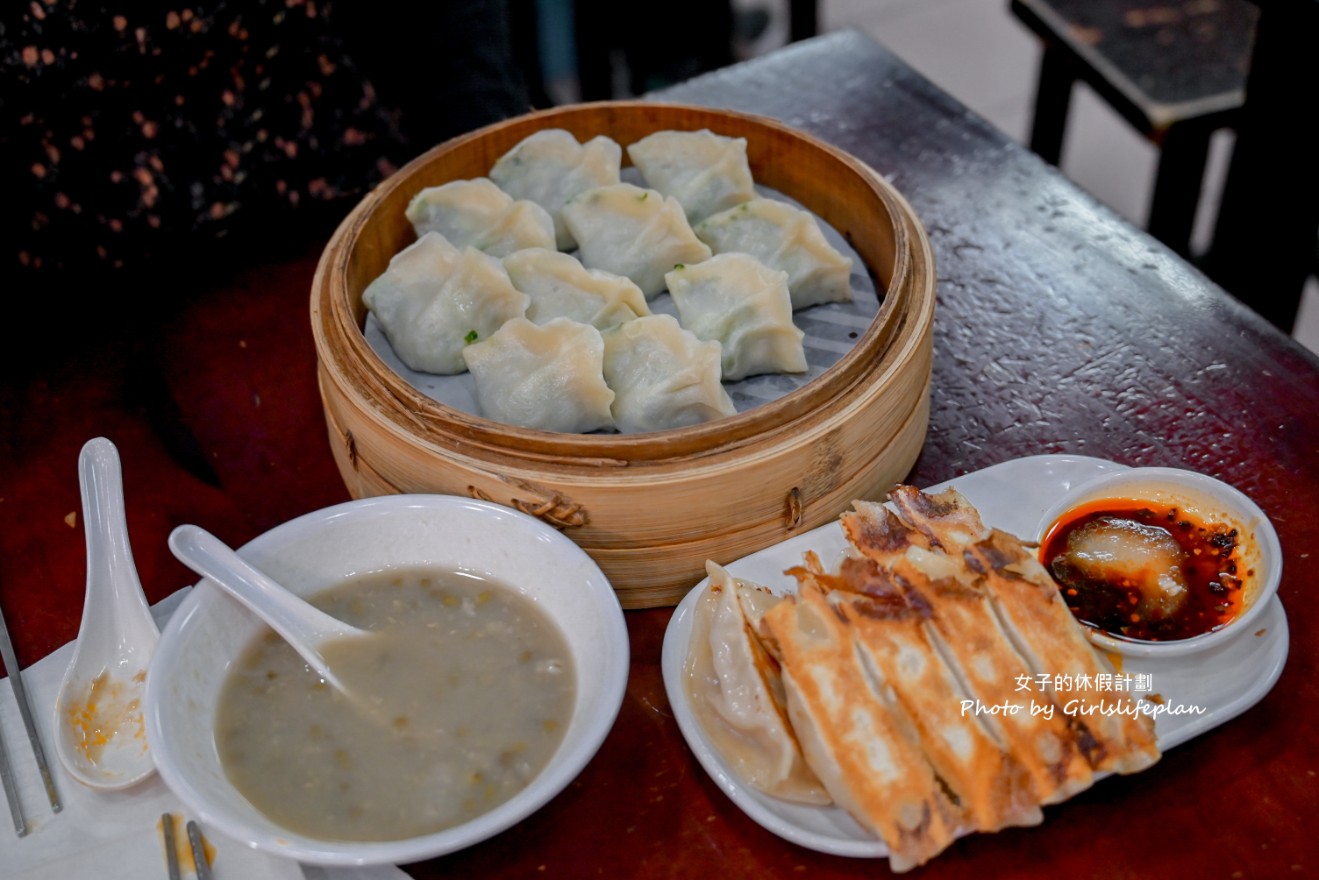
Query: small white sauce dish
(313,552)
(1212,501)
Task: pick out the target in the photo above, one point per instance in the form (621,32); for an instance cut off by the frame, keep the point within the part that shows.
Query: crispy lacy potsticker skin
(935,681)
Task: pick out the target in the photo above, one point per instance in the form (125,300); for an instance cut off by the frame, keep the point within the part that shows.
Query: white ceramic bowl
(315,551)
(1212,501)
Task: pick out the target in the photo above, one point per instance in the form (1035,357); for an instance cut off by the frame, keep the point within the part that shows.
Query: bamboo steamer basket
(649,508)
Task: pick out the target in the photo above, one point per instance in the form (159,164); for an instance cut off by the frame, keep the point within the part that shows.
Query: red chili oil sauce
(1209,564)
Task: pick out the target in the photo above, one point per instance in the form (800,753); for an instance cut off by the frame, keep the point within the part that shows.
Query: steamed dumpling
(433,299)
(634,232)
(783,237)
(561,287)
(548,377)
(550,167)
(480,214)
(743,305)
(662,376)
(706,172)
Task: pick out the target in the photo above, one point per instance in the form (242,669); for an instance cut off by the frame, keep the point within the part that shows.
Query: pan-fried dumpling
(480,214)
(783,237)
(737,301)
(662,376)
(735,692)
(561,287)
(633,232)
(855,736)
(706,172)
(434,299)
(547,376)
(550,167)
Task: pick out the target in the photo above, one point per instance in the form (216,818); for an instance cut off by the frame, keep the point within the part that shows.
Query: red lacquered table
(1060,329)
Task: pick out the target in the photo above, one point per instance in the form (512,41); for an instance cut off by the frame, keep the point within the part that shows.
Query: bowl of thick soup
(494,666)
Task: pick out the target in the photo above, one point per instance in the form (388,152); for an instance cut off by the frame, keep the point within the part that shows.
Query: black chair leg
(1177,185)
(595,35)
(803,19)
(1268,219)
(1053,98)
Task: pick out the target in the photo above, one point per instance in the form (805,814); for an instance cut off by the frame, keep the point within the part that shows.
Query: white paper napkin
(112,835)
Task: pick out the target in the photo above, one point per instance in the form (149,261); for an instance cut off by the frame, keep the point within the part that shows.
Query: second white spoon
(305,627)
(98,713)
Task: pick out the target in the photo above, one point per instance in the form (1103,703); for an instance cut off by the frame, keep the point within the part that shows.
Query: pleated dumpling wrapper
(561,287)
(737,301)
(549,377)
(434,299)
(736,693)
(551,166)
(706,172)
(634,232)
(480,214)
(783,237)
(663,376)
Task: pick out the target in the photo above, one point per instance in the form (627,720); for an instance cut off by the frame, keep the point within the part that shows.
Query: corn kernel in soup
(468,685)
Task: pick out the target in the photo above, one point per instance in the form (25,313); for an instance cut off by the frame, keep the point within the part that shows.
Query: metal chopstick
(198,852)
(25,709)
(171,854)
(11,790)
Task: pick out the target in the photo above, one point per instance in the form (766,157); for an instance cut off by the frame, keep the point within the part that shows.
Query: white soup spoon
(100,735)
(305,627)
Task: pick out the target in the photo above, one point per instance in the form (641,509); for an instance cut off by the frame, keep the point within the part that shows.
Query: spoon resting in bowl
(100,735)
(305,627)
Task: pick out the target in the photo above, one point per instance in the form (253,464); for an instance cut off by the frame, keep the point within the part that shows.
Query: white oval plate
(1012,496)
